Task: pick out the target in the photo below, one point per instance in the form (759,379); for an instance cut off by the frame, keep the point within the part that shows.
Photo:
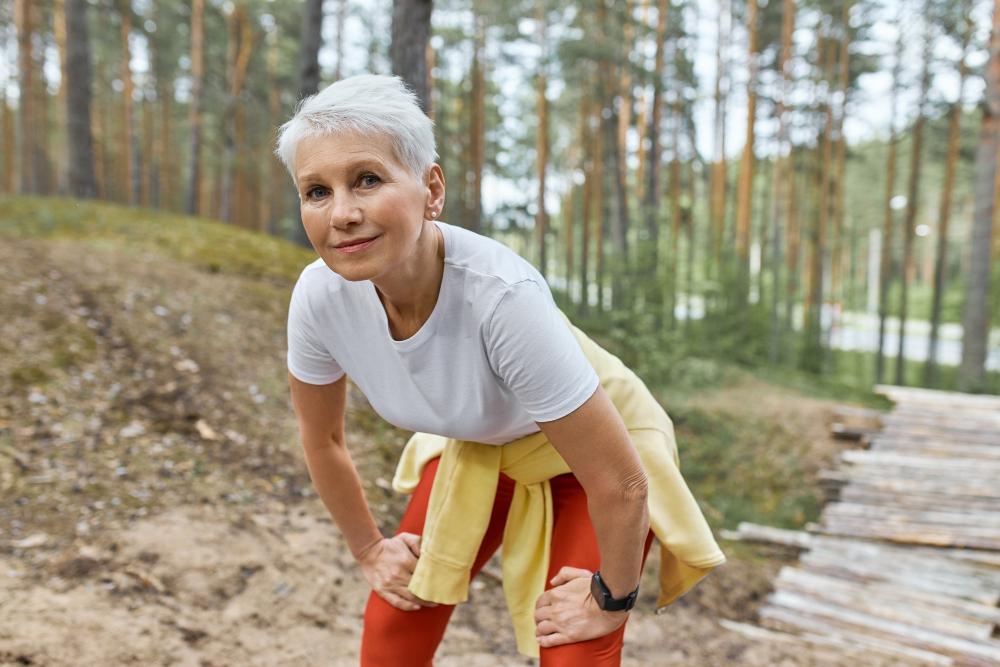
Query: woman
(527,433)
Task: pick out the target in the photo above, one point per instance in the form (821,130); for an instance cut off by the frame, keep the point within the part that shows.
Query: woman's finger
(567,573)
(554,639)
(541,612)
(412,541)
(397,601)
(410,597)
(546,627)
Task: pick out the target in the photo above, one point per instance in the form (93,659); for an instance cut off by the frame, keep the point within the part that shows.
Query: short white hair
(371,104)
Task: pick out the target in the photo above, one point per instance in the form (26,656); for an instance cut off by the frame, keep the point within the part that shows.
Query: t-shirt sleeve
(308,359)
(535,354)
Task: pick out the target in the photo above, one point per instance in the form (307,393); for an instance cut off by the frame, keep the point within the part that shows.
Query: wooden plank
(981,523)
(784,619)
(946,417)
(943,462)
(936,612)
(907,574)
(852,433)
(913,480)
(987,651)
(842,412)
(869,478)
(858,493)
(968,562)
(899,394)
(934,559)
(912,534)
(844,641)
(932,448)
(986,438)
(752,532)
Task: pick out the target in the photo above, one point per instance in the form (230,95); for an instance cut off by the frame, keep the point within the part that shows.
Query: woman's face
(353,189)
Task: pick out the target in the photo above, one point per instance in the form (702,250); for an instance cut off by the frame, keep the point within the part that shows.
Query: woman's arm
(320,412)
(595,444)
(387,563)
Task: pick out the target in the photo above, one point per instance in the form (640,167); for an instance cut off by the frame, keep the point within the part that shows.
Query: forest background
(783,184)
(742,199)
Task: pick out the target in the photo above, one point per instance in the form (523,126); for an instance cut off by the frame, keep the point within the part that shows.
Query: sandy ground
(155,509)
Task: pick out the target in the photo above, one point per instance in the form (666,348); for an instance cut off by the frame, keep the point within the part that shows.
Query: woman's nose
(344,211)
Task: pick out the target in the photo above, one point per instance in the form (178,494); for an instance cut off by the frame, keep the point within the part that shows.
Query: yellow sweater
(461,502)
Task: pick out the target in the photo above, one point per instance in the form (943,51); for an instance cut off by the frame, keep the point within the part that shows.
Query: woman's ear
(435,187)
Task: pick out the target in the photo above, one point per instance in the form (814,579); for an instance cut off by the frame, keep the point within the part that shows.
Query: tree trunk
(642,122)
(652,189)
(338,73)
(913,195)
(944,212)
(102,172)
(567,225)
(271,194)
(311,39)
(744,195)
(976,316)
(242,38)
(541,144)
(132,183)
(885,263)
(26,84)
(62,149)
(42,124)
(589,158)
(794,245)
(411,30)
(778,180)
(80,143)
(840,155)
(194,118)
(478,109)
(600,213)
(165,149)
(624,121)
(814,329)
(8,145)
(675,222)
(717,203)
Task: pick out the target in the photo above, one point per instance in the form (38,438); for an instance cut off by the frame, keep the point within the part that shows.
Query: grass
(206,244)
(746,469)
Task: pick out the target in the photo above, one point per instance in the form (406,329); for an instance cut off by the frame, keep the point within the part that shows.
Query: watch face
(597,591)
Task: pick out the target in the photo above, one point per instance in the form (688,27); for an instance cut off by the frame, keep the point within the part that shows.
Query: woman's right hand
(388,566)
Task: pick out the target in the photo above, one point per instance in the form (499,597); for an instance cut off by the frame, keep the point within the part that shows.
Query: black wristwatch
(604,598)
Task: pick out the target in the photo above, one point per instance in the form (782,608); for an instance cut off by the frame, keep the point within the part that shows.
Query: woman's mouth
(356,247)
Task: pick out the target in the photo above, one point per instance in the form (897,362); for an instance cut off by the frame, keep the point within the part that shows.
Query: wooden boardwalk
(905,559)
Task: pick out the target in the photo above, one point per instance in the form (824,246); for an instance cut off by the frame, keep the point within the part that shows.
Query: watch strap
(602,594)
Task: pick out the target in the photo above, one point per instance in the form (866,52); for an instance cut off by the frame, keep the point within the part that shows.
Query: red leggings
(396,638)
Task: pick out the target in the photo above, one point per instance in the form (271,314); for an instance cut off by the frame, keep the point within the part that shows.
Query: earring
(434,214)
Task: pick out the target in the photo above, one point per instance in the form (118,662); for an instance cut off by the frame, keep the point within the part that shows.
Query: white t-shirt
(494,357)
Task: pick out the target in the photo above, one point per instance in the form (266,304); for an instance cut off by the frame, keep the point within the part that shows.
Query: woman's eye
(313,193)
(369,180)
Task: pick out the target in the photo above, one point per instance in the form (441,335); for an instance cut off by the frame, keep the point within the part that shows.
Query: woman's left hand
(568,612)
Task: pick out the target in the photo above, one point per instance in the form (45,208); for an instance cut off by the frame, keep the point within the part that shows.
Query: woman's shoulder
(487,260)
(315,284)
(317,275)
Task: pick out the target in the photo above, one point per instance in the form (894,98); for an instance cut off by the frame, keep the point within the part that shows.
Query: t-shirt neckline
(430,324)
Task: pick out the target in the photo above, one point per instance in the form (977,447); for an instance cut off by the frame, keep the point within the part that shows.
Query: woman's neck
(409,296)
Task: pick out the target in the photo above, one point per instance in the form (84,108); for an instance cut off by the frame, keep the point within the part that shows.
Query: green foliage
(745,469)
